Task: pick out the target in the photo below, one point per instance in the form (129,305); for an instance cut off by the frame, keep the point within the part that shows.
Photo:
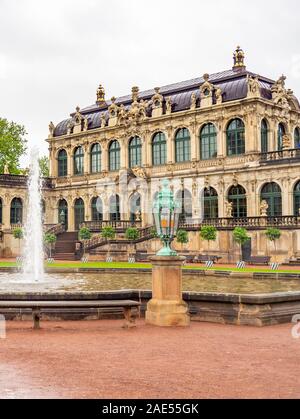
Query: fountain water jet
(33,254)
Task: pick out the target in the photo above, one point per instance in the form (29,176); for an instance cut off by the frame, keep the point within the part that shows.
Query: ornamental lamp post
(167,307)
(166,213)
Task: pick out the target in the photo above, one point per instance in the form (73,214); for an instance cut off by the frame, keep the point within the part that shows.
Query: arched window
(114,208)
(182,145)
(159,149)
(184,197)
(236,138)
(135,207)
(264,133)
(78,213)
(63,213)
(208,142)
(114,156)
(211,203)
(297,138)
(237,196)
(280,134)
(271,193)
(97,209)
(135,152)
(297,200)
(78,161)
(96,158)
(62,162)
(16,211)
(1,211)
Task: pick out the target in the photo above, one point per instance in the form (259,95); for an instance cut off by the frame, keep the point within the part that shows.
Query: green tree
(108,233)
(209,234)
(44,166)
(132,234)
(182,237)
(240,236)
(18,234)
(84,234)
(273,234)
(13,145)
(50,240)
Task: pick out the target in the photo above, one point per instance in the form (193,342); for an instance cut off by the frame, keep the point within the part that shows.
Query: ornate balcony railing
(280,155)
(54,228)
(247,222)
(96,226)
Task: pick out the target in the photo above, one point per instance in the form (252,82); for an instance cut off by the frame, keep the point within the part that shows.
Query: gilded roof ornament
(239,59)
(101,95)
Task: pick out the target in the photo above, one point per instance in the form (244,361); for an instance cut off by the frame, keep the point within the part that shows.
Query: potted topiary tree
(18,234)
(50,240)
(108,233)
(240,236)
(209,234)
(132,234)
(273,234)
(84,234)
(182,237)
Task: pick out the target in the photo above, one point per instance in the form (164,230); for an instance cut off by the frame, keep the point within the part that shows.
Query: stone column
(71,218)
(70,163)
(124,163)
(170,146)
(86,161)
(167,307)
(194,148)
(104,157)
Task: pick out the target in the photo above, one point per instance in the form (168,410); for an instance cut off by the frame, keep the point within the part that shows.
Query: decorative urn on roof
(239,59)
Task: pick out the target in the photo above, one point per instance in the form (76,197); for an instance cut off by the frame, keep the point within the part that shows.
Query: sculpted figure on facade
(103,120)
(157,103)
(228,209)
(253,86)
(280,94)
(193,101)
(286,142)
(101,95)
(218,95)
(264,206)
(51,129)
(168,105)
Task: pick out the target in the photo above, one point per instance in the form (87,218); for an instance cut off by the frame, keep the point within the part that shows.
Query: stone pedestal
(167,307)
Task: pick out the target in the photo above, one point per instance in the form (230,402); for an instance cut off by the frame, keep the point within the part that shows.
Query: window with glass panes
(297,138)
(237,196)
(182,146)
(211,203)
(79,213)
(114,208)
(271,193)
(96,158)
(208,142)
(78,161)
(264,136)
(16,211)
(297,200)
(114,156)
(63,213)
(159,149)
(185,201)
(62,162)
(236,138)
(135,152)
(97,209)
(280,134)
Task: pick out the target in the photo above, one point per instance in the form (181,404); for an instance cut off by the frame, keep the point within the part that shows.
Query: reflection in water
(122,281)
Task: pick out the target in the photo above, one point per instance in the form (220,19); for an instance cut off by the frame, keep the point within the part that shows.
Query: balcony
(281,157)
(120,226)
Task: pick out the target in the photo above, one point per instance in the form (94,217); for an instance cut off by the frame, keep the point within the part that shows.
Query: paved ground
(101,360)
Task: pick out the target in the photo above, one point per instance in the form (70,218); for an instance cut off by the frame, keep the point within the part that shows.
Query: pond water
(86,282)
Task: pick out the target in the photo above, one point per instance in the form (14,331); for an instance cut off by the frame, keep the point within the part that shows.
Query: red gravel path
(101,360)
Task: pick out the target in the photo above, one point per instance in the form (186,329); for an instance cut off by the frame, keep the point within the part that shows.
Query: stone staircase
(65,246)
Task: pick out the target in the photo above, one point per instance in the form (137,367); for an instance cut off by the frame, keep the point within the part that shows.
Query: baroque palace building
(229,142)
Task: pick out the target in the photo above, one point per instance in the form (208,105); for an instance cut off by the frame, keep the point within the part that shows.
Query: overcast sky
(54,54)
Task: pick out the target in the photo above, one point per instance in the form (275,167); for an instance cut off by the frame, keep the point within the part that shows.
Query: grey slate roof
(233,85)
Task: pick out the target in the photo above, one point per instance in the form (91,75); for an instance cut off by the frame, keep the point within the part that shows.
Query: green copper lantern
(166,211)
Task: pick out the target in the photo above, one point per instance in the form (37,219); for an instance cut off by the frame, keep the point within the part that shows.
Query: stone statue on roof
(51,129)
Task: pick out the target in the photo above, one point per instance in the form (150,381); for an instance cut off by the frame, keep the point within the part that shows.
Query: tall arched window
(182,145)
(16,211)
(236,138)
(271,193)
(114,156)
(264,133)
(211,203)
(1,211)
(237,196)
(297,200)
(114,208)
(96,158)
(135,152)
(184,197)
(135,207)
(297,138)
(97,209)
(78,213)
(62,163)
(159,149)
(208,142)
(63,213)
(78,161)
(280,134)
